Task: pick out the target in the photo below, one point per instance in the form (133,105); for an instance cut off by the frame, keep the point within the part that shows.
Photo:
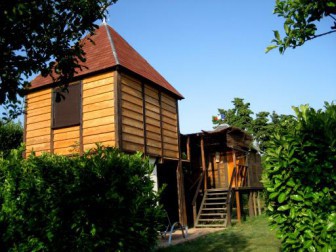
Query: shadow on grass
(253,235)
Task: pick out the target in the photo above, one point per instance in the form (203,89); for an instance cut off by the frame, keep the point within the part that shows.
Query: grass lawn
(251,235)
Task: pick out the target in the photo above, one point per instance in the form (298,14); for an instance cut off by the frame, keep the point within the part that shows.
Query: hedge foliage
(102,201)
(300,178)
(11,136)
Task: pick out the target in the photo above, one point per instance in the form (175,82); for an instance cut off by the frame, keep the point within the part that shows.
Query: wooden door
(217,171)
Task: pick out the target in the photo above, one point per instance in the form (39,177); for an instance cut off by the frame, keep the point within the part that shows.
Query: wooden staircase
(213,209)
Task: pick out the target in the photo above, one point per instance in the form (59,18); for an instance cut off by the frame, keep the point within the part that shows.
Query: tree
(300,181)
(43,36)
(261,127)
(11,137)
(301,17)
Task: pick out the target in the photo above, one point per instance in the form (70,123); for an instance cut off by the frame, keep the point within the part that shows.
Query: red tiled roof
(109,50)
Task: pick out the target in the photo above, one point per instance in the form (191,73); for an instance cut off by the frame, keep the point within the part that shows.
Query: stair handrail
(229,197)
(193,203)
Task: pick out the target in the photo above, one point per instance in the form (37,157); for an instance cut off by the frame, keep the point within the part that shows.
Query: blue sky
(213,51)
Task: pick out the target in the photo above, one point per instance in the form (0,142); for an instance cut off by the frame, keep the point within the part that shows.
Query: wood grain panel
(132,122)
(98,138)
(38,132)
(39,93)
(132,99)
(42,97)
(71,143)
(38,118)
(152,100)
(153,151)
(168,100)
(131,91)
(97,98)
(66,151)
(170,133)
(169,121)
(131,114)
(97,114)
(98,90)
(170,147)
(99,106)
(132,138)
(98,122)
(152,108)
(153,115)
(133,83)
(98,77)
(40,111)
(94,146)
(153,129)
(169,114)
(66,135)
(38,140)
(151,92)
(38,125)
(154,136)
(153,122)
(131,106)
(68,129)
(170,140)
(132,146)
(38,147)
(169,108)
(169,127)
(132,130)
(108,128)
(153,143)
(99,83)
(170,154)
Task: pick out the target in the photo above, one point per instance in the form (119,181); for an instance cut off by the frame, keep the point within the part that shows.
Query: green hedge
(300,178)
(11,136)
(99,202)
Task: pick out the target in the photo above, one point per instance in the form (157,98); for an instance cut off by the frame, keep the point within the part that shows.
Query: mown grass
(252,235)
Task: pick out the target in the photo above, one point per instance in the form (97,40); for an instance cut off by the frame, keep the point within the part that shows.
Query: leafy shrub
(11,136)
(300,178)
(103,201)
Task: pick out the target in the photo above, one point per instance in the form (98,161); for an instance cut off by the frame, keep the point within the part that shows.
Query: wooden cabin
(119,100)
(220,166)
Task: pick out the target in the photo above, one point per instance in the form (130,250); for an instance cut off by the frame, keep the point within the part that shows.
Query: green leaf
(269,48)
(277,35)
(296,197)
(283,208)
(273,195)
(282,197)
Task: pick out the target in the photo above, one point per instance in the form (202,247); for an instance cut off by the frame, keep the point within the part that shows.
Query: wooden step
(216,189)
(214,203)
(221,198)
(215,208)
(211,220)
(212,214)
(211,226)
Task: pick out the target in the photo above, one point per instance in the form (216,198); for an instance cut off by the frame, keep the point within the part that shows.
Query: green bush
(11,136)
(300,178)
(103,201)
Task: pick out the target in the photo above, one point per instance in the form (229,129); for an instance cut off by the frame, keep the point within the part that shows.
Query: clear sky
(213,51)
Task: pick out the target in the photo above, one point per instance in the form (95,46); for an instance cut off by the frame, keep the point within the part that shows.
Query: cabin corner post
(117,109)
(180,194)
(203,163)
(236,187)
(144,117)
(52,120)
(24,154)
(81,142)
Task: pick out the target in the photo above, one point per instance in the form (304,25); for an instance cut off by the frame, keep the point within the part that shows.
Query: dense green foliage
(300,178)
(261,126)
(38,36)
(301,17)
(11,136)
(103,201)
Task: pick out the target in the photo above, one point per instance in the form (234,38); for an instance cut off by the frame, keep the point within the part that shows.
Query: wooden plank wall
(98,111)
(149,119)
(66,140)
(38,122)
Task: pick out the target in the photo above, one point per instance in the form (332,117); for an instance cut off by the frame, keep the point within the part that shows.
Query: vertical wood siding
(98,111)
(149,119)
(132,115)
(38,119)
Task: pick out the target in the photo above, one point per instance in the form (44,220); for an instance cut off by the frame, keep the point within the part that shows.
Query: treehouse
(220,166)
(118,100)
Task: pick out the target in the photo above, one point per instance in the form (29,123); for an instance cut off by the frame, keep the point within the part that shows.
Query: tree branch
(322,34)
(332,17)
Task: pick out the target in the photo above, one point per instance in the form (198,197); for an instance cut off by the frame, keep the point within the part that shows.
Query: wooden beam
(81,143)
(144,116)
(24,154)
(188,148)
(161,123)
(52,122)
(180,194)
(254,204)
(203,164)
(258,203)
(250,204)
(117,109)
(236,187)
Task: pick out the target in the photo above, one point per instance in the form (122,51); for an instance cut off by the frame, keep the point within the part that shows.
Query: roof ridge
(114,51)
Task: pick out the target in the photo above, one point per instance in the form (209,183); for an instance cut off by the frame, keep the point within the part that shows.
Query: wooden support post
(238,206)
(254,204)
(258,203)
(250,204)
(180,194)
(204,164)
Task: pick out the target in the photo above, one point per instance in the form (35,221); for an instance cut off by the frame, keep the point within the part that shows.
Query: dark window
(66,106)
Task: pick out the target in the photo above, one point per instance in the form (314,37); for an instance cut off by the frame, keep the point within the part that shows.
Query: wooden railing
(194,201)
